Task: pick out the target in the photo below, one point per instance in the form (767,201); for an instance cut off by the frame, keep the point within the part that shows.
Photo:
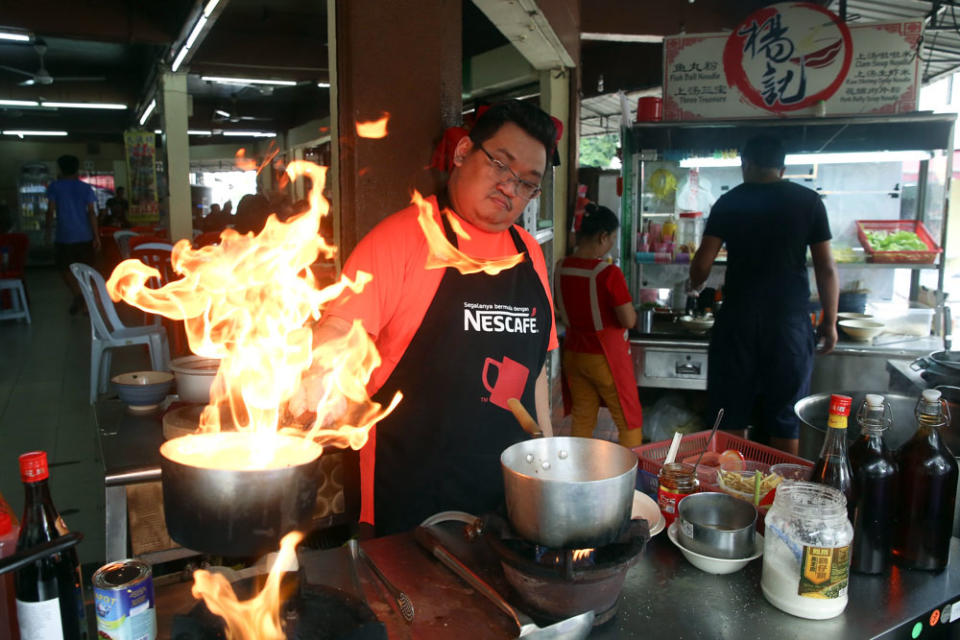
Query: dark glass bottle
(833,465)
(49,600)
(874,489)
(928,486)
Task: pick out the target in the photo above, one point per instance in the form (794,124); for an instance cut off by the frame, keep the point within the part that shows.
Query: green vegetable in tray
(897,241)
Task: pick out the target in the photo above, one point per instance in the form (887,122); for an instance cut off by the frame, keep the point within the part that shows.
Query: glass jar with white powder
(806,551)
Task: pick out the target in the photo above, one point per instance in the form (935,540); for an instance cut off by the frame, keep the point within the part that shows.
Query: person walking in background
(595,305)
(73,204)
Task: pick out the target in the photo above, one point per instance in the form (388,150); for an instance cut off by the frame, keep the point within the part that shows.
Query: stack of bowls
(716,532)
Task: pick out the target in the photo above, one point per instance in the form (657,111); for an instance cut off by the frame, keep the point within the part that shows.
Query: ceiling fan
(41,76)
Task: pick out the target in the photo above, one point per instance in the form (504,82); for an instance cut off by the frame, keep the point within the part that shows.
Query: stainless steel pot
(569,493)
(231,511)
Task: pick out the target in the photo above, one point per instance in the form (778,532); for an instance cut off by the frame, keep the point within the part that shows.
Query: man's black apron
(483,339)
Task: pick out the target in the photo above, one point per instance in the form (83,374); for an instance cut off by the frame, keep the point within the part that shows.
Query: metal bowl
(717,525)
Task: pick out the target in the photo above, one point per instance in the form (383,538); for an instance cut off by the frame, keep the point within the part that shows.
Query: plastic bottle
(833,464)
(8,605)
(49,595)
(874,489)
(928,486)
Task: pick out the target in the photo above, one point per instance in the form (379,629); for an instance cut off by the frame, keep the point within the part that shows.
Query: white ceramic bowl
(194,377)
(861,329)
(853,315)
(645,507)
(142,390)
(718,566)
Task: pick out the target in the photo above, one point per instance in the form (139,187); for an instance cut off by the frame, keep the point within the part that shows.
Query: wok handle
(428,541)
(39,552)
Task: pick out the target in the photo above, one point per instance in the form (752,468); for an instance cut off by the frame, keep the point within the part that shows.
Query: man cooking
(457,346)
(763,343)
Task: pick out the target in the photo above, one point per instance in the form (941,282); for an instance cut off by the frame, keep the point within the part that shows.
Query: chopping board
(182,421)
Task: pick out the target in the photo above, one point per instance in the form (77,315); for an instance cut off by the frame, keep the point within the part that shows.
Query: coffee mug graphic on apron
(511,380)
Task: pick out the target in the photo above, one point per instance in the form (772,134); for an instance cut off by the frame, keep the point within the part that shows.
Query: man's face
(477,192)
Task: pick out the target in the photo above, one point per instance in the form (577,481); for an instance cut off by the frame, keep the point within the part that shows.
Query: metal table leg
(116,516)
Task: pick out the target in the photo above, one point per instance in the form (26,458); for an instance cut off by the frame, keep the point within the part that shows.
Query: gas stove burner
(308,612)
(559,583)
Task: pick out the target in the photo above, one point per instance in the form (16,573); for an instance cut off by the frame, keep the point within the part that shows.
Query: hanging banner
(792,59)
(142,174)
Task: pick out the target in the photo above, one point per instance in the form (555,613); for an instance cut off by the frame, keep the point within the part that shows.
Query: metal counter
(664,597)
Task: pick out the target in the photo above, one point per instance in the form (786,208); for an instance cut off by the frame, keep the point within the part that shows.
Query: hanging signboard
(792,59)
(142,175)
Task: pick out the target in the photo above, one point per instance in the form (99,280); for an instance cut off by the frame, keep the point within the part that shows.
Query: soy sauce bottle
(874,489)
(928,486)
(48,592)
(833,464)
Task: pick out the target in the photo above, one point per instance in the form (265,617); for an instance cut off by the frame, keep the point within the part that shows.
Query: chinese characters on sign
(792,59)
(141,172)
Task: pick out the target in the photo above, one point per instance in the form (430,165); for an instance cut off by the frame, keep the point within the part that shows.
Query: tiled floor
(44,404)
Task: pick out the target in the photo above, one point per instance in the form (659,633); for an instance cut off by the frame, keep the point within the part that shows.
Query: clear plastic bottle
(874,488)
(928,487)
(8,606)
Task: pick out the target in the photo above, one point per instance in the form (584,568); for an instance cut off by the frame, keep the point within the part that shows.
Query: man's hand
(826,337)
(96,243)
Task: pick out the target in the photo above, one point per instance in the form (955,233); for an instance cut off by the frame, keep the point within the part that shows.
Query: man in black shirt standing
(763,341)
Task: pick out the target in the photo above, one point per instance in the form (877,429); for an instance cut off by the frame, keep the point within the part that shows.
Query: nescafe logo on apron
(499,318)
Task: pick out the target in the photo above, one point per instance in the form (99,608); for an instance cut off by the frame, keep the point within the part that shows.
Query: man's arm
(825,272)
(542,401)
(92,214)
(51,212)
(703,260)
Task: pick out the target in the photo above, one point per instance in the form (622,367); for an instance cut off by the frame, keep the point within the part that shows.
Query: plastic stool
(18,300)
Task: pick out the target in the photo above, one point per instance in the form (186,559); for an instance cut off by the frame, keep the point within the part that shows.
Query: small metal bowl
(717,525)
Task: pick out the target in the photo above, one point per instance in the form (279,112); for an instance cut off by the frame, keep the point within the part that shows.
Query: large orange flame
(442,254)
(249,302)
(259,617)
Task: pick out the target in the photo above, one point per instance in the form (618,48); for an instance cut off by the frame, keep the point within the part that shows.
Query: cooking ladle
(524,418)
(707,445)
(575,628)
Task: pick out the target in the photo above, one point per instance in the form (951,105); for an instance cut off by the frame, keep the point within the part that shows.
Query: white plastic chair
(122,238)
(108,332)
(18,300)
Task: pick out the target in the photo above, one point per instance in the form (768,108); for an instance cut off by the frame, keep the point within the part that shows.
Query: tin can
(123,592)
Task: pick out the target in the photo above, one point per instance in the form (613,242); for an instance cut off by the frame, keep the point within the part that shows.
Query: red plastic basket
(916,257)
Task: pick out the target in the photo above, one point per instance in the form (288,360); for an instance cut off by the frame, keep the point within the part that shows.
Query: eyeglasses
(504,173)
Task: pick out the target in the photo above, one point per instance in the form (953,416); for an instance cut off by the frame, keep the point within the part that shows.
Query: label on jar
(668,500)
(824,572)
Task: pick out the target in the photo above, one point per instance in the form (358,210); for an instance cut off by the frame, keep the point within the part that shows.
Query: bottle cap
(33,466)
(931,395)
(6,523)
(840,405)
(874,400)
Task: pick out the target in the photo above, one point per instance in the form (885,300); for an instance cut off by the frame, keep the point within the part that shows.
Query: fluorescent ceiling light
(818,158)
(223,80)
(251,134)
(19,103)
(15,36)
(148,111)
(199,132)
(323,85)
(25,132)
(207,10)
(179,59)
(84,105)
(158,131)
(196,32)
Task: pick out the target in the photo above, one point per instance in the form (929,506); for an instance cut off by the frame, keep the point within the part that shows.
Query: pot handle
(39,552)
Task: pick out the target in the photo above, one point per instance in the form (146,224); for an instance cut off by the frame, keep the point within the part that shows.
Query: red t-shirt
(612,292)
(394,303)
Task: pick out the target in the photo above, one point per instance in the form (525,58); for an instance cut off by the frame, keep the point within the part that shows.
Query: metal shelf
(840,265)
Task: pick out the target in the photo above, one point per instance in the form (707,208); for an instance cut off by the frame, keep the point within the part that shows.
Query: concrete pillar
(402,57)
(176,106)
(555,100)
